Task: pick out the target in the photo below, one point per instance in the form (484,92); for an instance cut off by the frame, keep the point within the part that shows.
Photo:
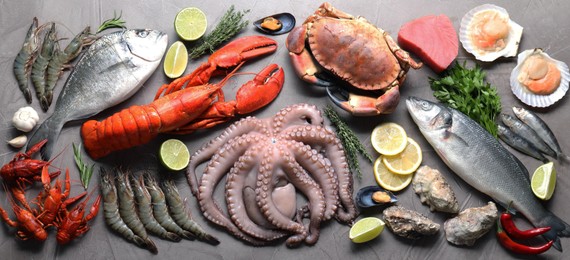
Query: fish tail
(49,130)
(559,228)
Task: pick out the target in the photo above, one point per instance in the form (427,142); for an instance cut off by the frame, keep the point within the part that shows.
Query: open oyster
(373,197)
(539,80)
(488,33)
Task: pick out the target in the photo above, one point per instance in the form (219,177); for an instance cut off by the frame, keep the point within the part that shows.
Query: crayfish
(23,168)
(189,103)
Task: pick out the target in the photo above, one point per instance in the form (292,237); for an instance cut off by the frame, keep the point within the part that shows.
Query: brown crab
(357,52)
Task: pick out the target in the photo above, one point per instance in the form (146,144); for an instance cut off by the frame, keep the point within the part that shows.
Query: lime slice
(190,24)
(389,138)
(174,154)
(389,180)
(406,162)
(175,60)
(543,181)
(366,229)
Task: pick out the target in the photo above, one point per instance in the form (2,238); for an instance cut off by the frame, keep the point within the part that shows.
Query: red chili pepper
(508,243)
(510,227)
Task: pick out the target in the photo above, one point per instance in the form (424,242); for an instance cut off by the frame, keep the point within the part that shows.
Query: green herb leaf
(352,146)
(230,24)
(85,172)
(466,90)
(114,22)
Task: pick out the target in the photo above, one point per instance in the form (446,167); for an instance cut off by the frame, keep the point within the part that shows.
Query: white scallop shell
(530,98)
(513,40)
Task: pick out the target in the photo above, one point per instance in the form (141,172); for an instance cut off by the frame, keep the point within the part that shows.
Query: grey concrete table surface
(546,25)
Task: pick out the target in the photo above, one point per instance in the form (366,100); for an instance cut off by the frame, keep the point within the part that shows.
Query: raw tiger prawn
(189,103)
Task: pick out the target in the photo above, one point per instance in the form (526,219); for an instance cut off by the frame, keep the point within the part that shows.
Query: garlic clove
(18,142)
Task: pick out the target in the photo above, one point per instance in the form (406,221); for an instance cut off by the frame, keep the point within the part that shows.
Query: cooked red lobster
(189,103)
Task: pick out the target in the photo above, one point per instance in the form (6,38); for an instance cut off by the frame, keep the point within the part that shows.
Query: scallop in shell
(488,33)
(276,24)
(539,80)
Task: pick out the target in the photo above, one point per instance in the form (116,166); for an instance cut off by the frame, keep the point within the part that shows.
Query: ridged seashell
(470,224)
(468,22)
(276,24)
(408,223)
(374,196)
(533,99)
(434,190)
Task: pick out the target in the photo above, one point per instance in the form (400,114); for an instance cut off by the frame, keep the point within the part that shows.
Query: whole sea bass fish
(481,161)
(113,68)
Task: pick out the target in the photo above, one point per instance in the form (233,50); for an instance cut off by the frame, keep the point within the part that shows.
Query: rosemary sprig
(349,140)
(230,24)
(85,171)
(114,22)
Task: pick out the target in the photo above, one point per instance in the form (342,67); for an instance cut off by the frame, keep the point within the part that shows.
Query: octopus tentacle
(298,114)
(235,201)
(218,166)
(244,126)
(318,135)
(301,179)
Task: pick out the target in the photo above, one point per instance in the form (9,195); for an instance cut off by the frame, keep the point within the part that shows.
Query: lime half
(366,229)
(175,60)
(174,154)
(190,23)
(543,181)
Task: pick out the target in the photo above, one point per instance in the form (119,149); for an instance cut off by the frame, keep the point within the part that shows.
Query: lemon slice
(366,229)
(389,138)
(405,162)
(175,60)
(389,180)
(543,181)
(190,23)
(174,154)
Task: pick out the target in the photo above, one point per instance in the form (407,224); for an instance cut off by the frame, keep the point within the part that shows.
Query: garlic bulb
(18,142)
(25,119)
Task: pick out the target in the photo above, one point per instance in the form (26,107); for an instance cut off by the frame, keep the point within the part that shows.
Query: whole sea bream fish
(113,68)
(481,161)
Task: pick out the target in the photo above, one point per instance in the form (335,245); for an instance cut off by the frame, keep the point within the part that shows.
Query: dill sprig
(230,24)
(85,172)
(352,146)
(466,90)
(114,22)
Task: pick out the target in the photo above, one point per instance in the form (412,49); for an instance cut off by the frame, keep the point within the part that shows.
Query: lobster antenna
(231,74)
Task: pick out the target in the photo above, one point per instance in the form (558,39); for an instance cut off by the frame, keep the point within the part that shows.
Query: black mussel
(374,196)
(276,24)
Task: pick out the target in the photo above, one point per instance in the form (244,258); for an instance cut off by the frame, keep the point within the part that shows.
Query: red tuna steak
(432,38)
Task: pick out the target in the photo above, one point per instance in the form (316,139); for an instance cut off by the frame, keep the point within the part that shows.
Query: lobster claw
(260,91)
(365,106)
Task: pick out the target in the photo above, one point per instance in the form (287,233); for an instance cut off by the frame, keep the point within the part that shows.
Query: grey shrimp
(144,208)
(25,59)
(40,65)
(111,209)
(180,215)
(128,211)
(160,210)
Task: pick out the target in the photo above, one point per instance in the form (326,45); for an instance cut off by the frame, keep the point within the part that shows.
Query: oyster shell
(408,223)
(434,191)
(276,24)
(373,197)
(487,32)
(536,68)
(470,224)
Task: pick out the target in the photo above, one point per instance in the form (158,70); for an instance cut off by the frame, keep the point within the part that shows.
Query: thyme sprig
(350,142)
(230,24)
(114,22)
(85,172)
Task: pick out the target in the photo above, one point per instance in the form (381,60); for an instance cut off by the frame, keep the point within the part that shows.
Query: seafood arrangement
(265,180)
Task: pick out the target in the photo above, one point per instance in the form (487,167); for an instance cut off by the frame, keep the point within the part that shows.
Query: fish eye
(142,34)
(425,105)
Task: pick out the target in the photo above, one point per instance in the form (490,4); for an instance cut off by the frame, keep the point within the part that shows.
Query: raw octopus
(266,161)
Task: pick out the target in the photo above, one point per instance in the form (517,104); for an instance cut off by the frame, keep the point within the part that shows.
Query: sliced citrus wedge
(190,24)
(366,229)
(389,180)
(406,162)
(174,154)
(175,60)
(543,181)
(389,138)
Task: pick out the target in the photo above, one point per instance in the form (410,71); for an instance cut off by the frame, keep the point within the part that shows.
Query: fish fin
(454,137)
(510,209)
(49,130)
(559,228)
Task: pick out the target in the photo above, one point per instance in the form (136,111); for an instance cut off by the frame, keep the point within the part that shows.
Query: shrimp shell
(180,215)
(111,210)
(40,65)
(25,59)
(145,211)
(128,211)
(160,210)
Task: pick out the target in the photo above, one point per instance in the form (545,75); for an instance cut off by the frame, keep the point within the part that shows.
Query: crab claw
(260,91)
(365,106)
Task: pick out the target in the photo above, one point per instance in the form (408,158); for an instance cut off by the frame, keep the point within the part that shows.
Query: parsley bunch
(466,90)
